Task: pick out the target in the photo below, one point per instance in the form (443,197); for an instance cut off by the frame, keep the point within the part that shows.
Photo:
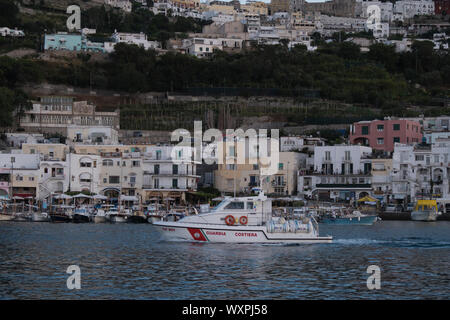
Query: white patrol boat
(242,220)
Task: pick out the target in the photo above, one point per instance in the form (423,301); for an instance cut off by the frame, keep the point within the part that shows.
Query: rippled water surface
(128,261)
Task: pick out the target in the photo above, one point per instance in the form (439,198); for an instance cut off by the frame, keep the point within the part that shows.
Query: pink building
(383,134)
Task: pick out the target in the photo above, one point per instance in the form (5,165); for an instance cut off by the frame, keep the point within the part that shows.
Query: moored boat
(21,217)
(6,217)
(425,210)
(81,215)
(351,219)
(40,217)
(242,220)
(99,216)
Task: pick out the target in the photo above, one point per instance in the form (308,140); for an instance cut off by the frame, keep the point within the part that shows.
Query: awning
(80,195)
(62,196)
(367,199)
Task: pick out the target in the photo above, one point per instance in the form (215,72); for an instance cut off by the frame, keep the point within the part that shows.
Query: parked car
(410,207)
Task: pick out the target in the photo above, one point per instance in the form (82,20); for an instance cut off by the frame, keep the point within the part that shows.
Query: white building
(332,24)
(16,139)
(125,5)
(7,32)
(85,172)
(92,135)
(340,173)
(54,177)
(139,39)
(169,171)
(406,9)
(421,171)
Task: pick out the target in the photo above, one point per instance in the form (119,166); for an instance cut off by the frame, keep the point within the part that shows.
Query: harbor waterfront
(130,261)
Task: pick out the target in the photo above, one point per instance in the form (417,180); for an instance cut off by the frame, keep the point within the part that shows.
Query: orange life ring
(229,220)
(243,220)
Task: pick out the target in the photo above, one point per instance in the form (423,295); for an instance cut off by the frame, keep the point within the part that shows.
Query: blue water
(126,261)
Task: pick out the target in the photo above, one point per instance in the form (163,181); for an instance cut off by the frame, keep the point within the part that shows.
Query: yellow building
(99,149)
(241,178)
(260,8)
(187,4)
(25,182)
(381,178)
(56,151)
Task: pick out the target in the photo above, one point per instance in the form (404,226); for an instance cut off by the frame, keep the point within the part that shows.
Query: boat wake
(407,242)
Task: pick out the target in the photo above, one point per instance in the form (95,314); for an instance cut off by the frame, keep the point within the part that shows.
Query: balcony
(321,173)
(344,185)
(58,177)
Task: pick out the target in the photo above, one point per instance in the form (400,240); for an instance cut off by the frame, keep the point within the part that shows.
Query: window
(365,129)
(175,183)
(419,157)
(235,205)
(436,158)
(380,141)
(156,169)
(327,155)
(85,164)
(108,163)
(231,167)
(249,205)
(255,167)
(396,139)
(132,179)
(347,155)
(280,166)
(175,169)
(158,154)
(396,126)
(156,183)
(380,127)
(114,179)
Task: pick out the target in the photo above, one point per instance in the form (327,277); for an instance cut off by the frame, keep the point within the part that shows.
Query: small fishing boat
(114,216)
(425,210)
(61,213)
(100,216)
(40,217)
(137,217)
(355,218)
(6,217)
(21,217)
(81,215)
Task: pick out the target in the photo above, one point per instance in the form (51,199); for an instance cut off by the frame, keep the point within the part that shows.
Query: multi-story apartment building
(53,114)
(382,179)
(341,173)
(121,173)
(383,134)
(421,171)
(169,172)
(85,172)
(54,177)
(242,177)
(18,175)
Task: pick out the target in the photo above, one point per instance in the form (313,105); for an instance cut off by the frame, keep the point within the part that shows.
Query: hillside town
(394,160)
(231,26)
